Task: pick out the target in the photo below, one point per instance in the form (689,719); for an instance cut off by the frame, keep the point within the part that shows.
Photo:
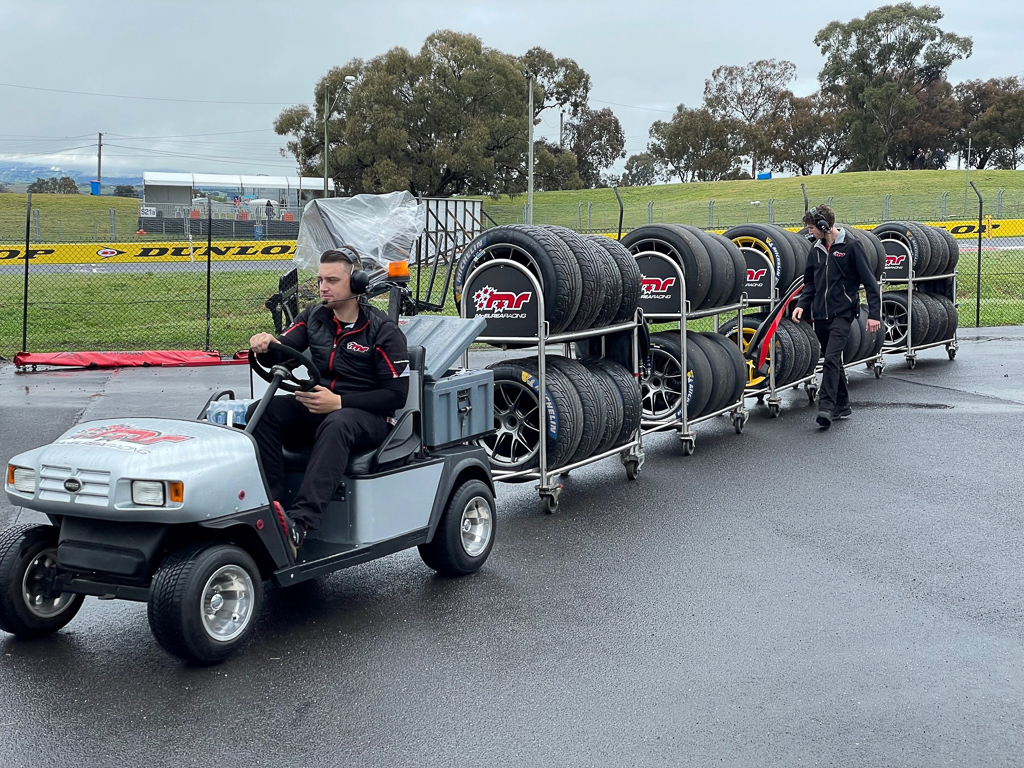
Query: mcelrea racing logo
(494,302)
(655,287)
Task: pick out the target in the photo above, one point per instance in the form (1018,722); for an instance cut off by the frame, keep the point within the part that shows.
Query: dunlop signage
(146,252)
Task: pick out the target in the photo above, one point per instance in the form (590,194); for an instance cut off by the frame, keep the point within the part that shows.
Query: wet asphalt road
(785,597)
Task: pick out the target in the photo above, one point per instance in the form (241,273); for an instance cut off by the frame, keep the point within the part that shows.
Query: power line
(123,136)
(633,106)
(150,98)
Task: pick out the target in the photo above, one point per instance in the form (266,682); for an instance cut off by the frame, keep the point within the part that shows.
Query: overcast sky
(644,58)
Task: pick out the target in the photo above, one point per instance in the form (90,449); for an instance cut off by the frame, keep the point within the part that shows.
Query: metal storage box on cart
(458,407)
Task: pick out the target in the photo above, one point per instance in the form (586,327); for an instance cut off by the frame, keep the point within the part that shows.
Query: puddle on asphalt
(926,406)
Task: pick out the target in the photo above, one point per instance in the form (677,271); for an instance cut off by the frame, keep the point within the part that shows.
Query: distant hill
(25,173)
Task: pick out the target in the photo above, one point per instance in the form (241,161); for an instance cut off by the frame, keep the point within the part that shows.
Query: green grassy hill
(64,218)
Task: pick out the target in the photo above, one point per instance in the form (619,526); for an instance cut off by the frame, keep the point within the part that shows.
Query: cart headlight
(22,478)
(148,493)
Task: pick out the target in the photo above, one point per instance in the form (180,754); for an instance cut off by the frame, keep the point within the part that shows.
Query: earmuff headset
(819,220)
(359,280)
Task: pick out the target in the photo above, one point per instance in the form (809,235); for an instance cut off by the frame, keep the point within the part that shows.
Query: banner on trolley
(147,252)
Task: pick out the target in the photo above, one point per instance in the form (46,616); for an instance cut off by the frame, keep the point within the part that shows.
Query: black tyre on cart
(661,393)
(612,403)
(801,350)
(629,391)
(853,342)
(28,562)
(739,267)
(952,249)
(515,444)
(722,376)
(594,278)
(767,239)
(913,238)
(683,248)
(722,269)
(750,325)
(952,319)
(801,248)
(940,253)
(785,356)
(895,318)
(814,345)
(737,365)
(937,319)
(629,276)
(868,340)
(546,256)
(595,415)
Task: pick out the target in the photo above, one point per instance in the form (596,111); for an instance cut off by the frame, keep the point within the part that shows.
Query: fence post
(943,204)
(35,224)
(113,224)
(771,210)
(590,212)
(711,214)
(885,207)
(24,300)
(579,217)
(977,289)
(209,257)
(999,204)
(828,201)
(650,212)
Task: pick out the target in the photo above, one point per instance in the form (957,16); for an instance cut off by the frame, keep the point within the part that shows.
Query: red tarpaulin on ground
(162,357)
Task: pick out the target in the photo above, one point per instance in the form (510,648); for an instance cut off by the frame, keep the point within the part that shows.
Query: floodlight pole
(349,79)
(529,160)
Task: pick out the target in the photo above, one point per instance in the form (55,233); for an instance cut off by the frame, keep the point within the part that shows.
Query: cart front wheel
(28,562)
(204,602)
(465,533)
(951,352)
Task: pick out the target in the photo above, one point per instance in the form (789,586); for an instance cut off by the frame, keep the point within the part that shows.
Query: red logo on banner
(753,275)
(652,285)
(894,261)
(487,299)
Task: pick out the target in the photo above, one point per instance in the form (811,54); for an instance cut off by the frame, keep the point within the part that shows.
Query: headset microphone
(328,302)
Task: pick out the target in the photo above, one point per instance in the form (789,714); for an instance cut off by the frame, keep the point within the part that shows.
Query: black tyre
(814,346)
(867,340)
(785,356)
(738,367)
(939,252)
(739,268)
(936,317)
(801,350)
(680,245)
(661,389)
(911,236)
(595,415)
(768,240)
(542,253)
(465,533)
(861,237)
(879,265)
(895,318)
(952,250)
(801,248)
(629,391)
(629,276)
(853,341)
(952,319)
(593,277)
(721,372)
(28,561)
(750,325)
(515,444)
(612,405)
(722,278)
(204,601)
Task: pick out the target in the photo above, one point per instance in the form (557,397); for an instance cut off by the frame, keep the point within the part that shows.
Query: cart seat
(404,439)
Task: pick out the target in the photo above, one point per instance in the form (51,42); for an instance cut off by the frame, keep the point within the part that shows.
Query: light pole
(529,156)
(349,79)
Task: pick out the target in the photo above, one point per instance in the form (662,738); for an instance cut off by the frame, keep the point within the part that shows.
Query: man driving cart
(362,357)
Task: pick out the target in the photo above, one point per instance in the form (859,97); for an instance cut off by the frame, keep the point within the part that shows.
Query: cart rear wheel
(465,533)
(28,562)
(204,602)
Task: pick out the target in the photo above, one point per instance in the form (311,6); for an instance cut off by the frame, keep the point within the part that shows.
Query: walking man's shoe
(824,419)
(842,413)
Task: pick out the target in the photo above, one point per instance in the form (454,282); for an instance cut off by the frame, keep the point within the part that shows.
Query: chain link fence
(102,279)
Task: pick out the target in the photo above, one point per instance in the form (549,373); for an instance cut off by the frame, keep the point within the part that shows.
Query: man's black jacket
(833,278)
(366,363)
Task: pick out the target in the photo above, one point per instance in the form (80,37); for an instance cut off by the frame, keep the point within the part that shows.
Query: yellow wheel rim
(754,378)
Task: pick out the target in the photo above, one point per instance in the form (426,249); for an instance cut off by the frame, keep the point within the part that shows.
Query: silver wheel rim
(660,391)
(227,603)
(516,439)
(894,318)
(33,587)
(476,526)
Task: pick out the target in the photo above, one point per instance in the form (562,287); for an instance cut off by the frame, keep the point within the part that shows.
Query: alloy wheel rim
(34,590)
(661,390)
(516,438)
(476,526)
(227,603)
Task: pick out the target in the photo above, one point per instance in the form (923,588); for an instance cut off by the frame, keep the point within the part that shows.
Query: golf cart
(176,513)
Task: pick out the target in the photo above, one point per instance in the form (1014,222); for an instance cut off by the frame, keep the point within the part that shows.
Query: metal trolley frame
(517,332)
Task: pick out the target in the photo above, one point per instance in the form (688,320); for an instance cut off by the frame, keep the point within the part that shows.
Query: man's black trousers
(334,436)
(832,334)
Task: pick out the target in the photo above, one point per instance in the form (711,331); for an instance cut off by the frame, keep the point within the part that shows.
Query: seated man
(363,359)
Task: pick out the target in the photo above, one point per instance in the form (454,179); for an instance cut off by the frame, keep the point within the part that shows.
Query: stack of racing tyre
(716,375)
(588,281)
(797,351)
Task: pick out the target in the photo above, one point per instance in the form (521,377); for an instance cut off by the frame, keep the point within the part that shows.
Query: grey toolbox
(458,405)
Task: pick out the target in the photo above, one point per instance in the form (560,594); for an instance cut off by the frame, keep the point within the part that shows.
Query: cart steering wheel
(289,383)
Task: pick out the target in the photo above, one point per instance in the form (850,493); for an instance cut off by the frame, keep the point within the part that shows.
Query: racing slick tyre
(936,317)
(801,247)
(912,237)
(952,318)
(593,277)
(853,342)
(465,533)
(861,237)
(629,275)
(629,391)
(739,267)
(879,265)
(777,247)
(722,374)
(940,253)
(721,283)
(738,367)
(801,350)
(204,601)
(750,325)
(785,356)
(952,248)
(815,346)
(28,562)
(515,443)
(894,319)
(612,403)
(595,415)
(661,389)
(683,248)
(543,254)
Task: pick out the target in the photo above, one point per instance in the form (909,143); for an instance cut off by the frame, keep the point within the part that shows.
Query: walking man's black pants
(832,334)
(334,436)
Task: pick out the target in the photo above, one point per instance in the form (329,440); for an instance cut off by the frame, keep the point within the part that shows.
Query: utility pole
(99,159)
(529,175)
(561,116)
(325,140)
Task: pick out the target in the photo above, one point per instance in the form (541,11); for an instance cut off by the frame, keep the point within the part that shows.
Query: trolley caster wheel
(812,395)
(688,445)
(774,409)
(632,469)
(738,420)
(878,370)
(550,504)
(951,351)
(911,363)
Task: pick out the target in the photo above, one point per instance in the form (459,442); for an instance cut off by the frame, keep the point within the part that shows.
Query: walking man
(836,268)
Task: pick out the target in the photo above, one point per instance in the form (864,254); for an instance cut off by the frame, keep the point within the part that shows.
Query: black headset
(819,220)
(359,280)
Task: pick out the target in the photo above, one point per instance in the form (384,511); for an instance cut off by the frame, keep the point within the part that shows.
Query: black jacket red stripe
(833,278)
(367,364)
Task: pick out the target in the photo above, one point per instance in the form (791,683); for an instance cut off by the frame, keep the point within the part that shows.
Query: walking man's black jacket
(833,278)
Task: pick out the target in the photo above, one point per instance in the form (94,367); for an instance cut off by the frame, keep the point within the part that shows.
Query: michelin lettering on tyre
(549,407)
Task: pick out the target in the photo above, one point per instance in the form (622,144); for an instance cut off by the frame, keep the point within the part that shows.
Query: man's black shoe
(842,413)
(824,419)
(294,532)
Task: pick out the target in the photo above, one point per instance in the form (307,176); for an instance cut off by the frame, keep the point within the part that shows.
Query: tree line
(450,119)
